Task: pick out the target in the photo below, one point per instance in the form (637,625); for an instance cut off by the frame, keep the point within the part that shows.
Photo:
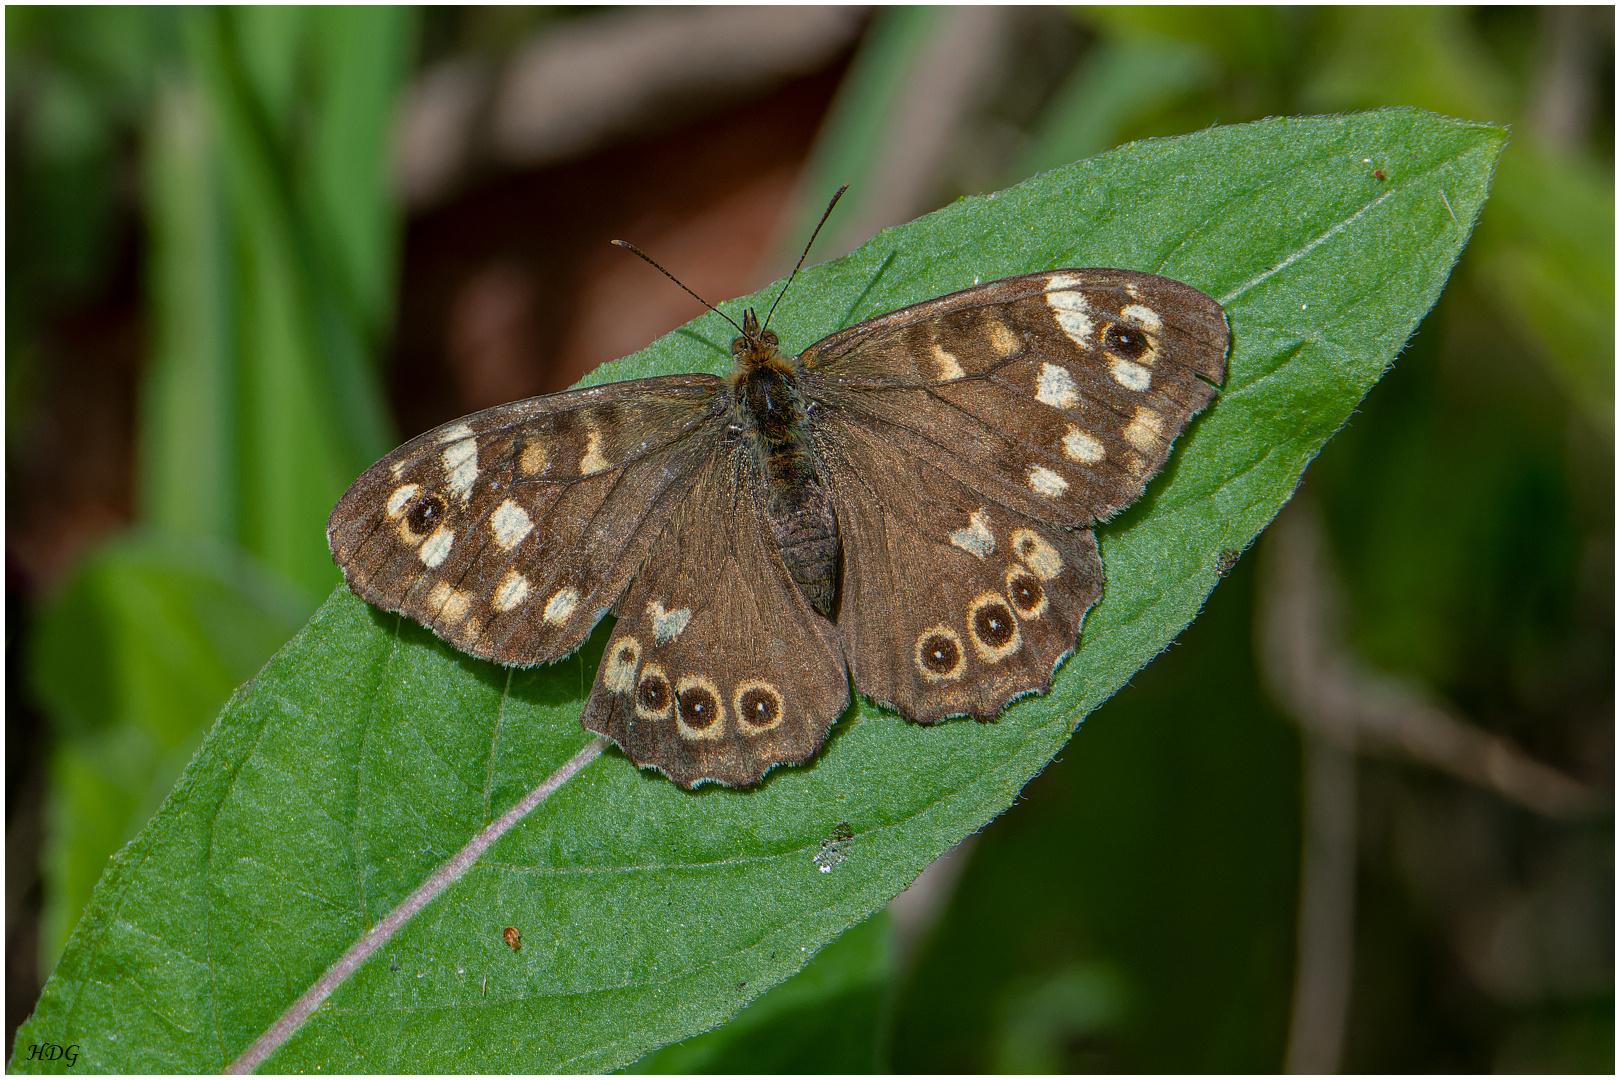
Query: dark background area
(1383,843)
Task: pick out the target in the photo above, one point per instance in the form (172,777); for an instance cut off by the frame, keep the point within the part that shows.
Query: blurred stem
(1327,909)
(1342,708)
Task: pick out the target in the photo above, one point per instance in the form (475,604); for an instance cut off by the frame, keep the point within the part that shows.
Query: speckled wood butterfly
(907,503)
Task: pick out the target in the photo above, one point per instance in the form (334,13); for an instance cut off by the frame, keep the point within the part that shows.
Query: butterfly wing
(511,532)
(952,604)
(718,669)
(972,440)
(1058,394)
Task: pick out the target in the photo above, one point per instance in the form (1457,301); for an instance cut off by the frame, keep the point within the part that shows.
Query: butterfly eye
(426,515)
(1125,340)
(771,338)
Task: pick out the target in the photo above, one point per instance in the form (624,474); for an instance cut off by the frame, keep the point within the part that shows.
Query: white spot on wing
(976,538)
(667,625)
(401,496)
(1079,446)
(510,524)
(1063,281)
(456,433)
(1144,430)
(1055,386)
(561,605)
(1044,481)
(1130,376)
(436,547)
(461,466)
(949,369)
(510,592)
(592,461)
(1070,309)
(1145,317)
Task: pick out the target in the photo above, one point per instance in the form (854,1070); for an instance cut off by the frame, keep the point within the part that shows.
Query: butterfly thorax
(769,409)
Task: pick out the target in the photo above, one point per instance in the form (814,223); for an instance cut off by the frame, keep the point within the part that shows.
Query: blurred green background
(250,249)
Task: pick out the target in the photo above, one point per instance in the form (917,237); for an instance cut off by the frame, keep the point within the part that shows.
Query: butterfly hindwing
(952,603)
(718,669)
(511,532)
(1058,393)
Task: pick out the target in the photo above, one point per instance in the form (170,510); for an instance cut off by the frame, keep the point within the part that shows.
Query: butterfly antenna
(839,194)
(628,246)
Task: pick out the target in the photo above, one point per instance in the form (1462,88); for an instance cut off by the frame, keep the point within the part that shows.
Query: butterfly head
(757,347)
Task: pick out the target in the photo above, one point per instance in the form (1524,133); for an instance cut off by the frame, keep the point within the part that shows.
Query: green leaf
(828,1018)
(132,661)
(368,752)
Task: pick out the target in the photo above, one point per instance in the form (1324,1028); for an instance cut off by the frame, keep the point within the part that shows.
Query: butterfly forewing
(511,532)
(1060,393)
(718,670)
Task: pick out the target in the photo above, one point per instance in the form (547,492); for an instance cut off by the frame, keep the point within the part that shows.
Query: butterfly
(906,504)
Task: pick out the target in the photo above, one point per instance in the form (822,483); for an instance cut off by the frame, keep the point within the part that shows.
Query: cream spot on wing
(1145,317)
(512,590)
(667,625)
(759,706)
(975,538)
(436,547)
(455,433)
(1145,431)
(400,498)
(1070,310)
(992,627)
(398,469)
(1130,376)
(1003,340)
(1041,557)
(534,459)
(451,603)
(949,369)
(592,460)
(561,605)
(1080,446)
(1043,481)
(619,668)
(510,523)
(1055,386)
(1130,289)
(461,466)
(699,713)
(1063,281)
(938,654)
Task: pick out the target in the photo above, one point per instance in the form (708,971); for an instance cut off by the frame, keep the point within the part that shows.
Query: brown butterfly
(907,503)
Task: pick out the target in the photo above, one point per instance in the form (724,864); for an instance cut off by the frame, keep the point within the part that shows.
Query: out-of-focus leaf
(367,752)
(274,254)
(1546,257)
(1113,86)
(859,128)
(829,1018)
(131,662)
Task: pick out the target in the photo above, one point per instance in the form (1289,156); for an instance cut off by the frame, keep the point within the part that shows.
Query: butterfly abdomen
(797,504)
